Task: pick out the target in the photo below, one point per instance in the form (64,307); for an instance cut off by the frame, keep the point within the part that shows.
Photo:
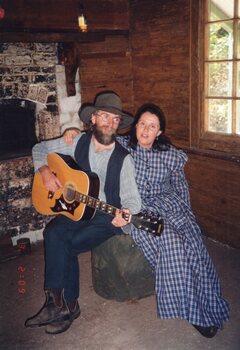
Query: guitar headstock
(148,223)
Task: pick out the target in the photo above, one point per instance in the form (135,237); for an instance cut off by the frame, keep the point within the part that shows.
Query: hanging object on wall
(69,57)
(37,93)
(2,12)
(82,20)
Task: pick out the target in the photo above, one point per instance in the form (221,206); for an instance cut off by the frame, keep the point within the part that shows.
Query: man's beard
(104,139)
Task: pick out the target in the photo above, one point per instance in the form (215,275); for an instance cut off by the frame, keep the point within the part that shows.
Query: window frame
(228,144)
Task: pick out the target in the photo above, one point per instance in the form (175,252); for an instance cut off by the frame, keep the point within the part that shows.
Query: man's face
(105,125)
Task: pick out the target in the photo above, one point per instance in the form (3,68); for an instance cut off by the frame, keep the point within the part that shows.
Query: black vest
(112,185)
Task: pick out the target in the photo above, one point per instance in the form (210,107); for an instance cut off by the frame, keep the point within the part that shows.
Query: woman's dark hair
(162,142)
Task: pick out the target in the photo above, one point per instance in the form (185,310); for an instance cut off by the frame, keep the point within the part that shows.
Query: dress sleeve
(178,179)
(123,140)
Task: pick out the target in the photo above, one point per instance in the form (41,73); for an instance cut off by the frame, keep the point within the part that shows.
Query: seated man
(97,151)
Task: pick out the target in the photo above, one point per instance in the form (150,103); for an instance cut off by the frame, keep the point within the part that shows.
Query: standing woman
(187,285)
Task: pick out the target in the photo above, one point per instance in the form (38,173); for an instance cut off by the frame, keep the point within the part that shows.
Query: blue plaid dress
(187,285)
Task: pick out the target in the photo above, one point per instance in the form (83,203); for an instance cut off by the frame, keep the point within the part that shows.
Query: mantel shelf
(57,35)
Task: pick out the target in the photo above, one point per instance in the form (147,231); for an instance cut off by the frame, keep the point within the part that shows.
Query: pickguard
(62,206)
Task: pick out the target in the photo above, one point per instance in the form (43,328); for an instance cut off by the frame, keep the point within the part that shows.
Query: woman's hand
(69,135)
(119,220)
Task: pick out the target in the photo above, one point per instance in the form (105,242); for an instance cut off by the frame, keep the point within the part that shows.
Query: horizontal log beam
(52,35)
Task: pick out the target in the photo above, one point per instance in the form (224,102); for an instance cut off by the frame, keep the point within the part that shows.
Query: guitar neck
(95,203)
(139,220)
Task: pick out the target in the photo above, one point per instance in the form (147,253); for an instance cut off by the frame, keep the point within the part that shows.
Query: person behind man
(187,285)
(97,151)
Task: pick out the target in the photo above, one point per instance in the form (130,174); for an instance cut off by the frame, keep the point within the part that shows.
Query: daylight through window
(222,67)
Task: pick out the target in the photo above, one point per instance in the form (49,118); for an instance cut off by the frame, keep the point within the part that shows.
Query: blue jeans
(64,239)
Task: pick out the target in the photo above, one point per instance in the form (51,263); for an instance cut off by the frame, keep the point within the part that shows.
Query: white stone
(68,106)
(34,236)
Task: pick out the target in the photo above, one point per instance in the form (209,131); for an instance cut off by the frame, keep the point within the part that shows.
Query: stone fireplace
(32,86)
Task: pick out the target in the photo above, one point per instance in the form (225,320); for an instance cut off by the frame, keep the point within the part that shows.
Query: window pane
(220,39)
(238,117)
(238,80)
(219,79)
(220,9)
(219,116)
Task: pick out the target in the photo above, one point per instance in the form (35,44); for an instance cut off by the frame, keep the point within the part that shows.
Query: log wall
(161,60)
(152,64)
(215,193)
(107,66)
(160,53)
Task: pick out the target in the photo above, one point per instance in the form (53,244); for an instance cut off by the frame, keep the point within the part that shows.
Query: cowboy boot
(61,326)
(54,309)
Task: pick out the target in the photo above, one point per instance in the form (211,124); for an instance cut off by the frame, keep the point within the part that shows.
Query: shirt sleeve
(129,194)
(41,150)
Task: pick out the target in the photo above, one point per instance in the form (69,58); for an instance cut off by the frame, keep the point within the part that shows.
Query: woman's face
(147,129)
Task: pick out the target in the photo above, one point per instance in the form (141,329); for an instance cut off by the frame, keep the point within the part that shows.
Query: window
(217,33)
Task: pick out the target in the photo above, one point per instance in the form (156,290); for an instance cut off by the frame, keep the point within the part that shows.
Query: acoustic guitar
(78,197)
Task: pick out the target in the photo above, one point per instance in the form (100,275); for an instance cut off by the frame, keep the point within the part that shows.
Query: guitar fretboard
(90,201)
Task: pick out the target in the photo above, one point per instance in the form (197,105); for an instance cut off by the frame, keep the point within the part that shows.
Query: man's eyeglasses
(106,117)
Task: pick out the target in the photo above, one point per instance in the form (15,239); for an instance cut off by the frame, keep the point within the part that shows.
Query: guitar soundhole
(69,192)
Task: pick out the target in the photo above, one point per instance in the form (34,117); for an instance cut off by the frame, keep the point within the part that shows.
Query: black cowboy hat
(108,102)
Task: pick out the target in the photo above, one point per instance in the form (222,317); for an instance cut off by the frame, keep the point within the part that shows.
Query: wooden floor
(106,324)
